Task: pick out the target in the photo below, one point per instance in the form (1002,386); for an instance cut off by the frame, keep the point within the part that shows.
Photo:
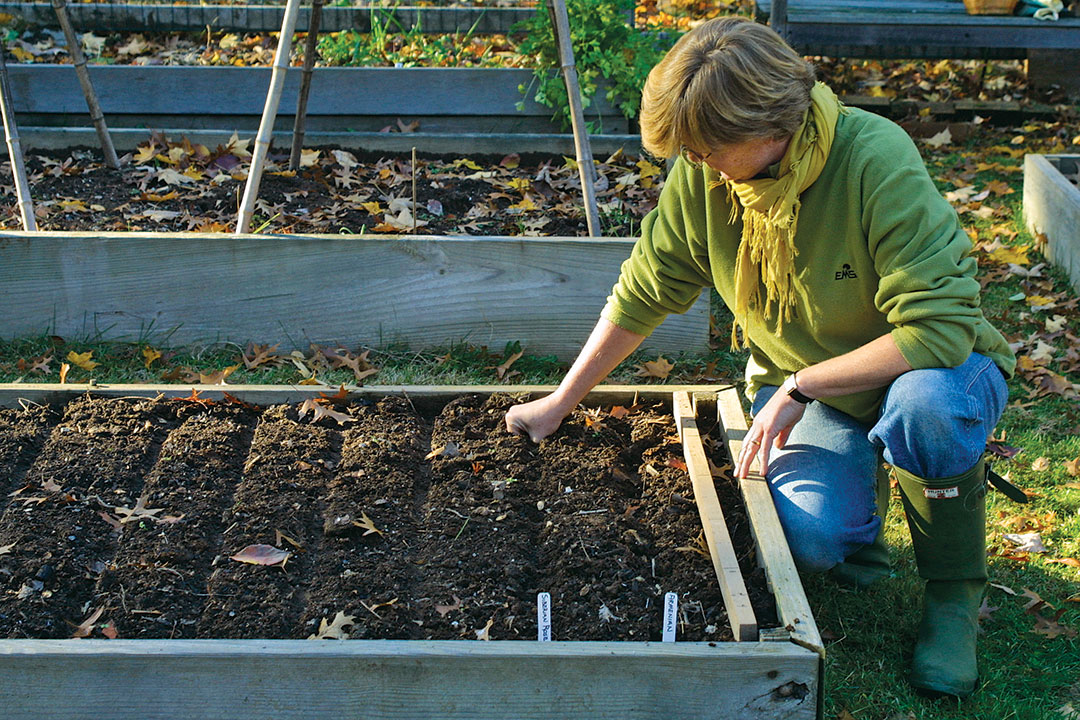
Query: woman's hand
(771,427)
(537,419)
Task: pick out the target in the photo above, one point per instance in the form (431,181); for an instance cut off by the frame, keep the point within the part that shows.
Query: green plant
(606,46)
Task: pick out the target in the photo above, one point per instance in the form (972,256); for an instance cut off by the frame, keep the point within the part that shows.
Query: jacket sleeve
(669,264)
(927,287)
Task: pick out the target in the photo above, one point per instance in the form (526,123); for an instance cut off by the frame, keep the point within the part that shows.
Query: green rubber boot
(947,519)
(870,562)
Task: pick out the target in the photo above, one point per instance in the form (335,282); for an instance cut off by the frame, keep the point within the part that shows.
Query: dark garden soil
(170,185)
(120,518)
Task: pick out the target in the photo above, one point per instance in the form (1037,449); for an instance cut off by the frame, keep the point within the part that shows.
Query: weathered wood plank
(295,289)
(772,546)
(254,18)
(1052,207)
(984,31)
(372,679)
(241,90)
(725,563)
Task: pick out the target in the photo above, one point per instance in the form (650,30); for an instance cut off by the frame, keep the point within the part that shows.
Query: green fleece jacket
(879,251)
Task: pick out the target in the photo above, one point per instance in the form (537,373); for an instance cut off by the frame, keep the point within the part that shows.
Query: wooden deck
(911,28)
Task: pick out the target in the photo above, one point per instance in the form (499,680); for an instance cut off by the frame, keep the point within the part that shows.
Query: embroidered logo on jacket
(845,273)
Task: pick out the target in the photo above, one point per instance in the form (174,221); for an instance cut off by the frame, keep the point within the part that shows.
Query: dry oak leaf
(1050,627)
(139,512)
(1041,464)
(1073,468)
(444,609)
(1026,542)
(257,355)
(335,629)
(64,368)
(5,549)
(485,633)
(150,355)
(659,368)
(86,627)
(313,405)
(366,523)
(218,376)
(501,370)
(450,449)
(262,555)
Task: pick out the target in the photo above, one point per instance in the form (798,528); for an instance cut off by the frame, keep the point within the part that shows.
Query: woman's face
(742,160)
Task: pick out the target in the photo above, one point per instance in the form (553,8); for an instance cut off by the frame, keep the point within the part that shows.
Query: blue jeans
(934,423)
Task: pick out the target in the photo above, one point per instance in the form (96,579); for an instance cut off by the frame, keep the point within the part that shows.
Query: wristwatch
(791,387)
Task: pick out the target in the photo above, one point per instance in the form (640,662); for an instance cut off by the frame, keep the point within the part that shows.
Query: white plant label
(671,612)
(543,617)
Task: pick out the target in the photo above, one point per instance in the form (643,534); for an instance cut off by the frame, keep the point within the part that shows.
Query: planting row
(141,518)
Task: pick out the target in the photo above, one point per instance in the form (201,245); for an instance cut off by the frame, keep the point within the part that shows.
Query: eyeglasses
(692,158)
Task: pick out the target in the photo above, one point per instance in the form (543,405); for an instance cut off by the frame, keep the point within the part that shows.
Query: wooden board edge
(774,553)
(726,564)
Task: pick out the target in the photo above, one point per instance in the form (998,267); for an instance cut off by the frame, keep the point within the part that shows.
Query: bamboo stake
(11,131)
(560,23)
(79,60)
(415,210)
(266,125)
(305,83)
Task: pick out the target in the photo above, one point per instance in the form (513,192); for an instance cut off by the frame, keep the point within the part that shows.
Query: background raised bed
(544,292)
(1052,207)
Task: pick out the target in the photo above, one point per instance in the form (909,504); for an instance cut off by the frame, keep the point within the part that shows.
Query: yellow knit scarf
(771,213)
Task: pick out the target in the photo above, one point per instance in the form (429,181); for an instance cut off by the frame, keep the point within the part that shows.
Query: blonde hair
(727,81)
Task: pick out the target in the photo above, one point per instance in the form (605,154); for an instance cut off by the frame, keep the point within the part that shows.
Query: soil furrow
(62,527)
(158,582)
(277,503)
(365,568)
(22,433)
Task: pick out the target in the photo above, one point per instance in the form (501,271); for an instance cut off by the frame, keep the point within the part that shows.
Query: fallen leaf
(619,412)
(485,633)
(313,405)
(257,355)
(86,627)
(450,449)
(500,371)
(109,630)
(366,523)
(1003,588)
(659,368)
(116,524)
(149,356)
(279,536)
(1073,468)
(139,512)
(262,555)
(82,359)
(1026,542)
(1070,561)
(335,629)
(942,138)
(218,376)
(1050,627)
(444,609)
(1041,464)
(5,549)
(985,611)
(676,463)
(64,368)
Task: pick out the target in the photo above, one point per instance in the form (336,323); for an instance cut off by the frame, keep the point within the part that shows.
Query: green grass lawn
(1026,674)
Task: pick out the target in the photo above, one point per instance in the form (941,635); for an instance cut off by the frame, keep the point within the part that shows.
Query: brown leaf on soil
(501,370)
(335,629)
(314,405)
(262,555)
(237,401)
(116,524)
(659,368)
(450,449)
(366,523)
(139,512)
(619,412)
(86,627)
(338,398)
(279,536)
(50,486)
(485,633)
(257,355)
(5,549)
(676,463)
(444,609)
(594,419)
(109,630)
(194,397)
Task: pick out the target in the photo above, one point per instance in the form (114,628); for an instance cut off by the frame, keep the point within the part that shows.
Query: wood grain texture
(426,291)
(1052,207)
(254,18)
(375,680)
(241,91)
(725,563)
(772,546)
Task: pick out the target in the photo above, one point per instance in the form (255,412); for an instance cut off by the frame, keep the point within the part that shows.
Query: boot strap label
(941,493)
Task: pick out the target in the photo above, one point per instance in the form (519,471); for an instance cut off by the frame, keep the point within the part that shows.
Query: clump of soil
(124,514)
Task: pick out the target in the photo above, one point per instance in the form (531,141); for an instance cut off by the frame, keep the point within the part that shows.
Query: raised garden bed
(425,291)
(1052,208)
(480,100)
(596,515)
(108,17)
